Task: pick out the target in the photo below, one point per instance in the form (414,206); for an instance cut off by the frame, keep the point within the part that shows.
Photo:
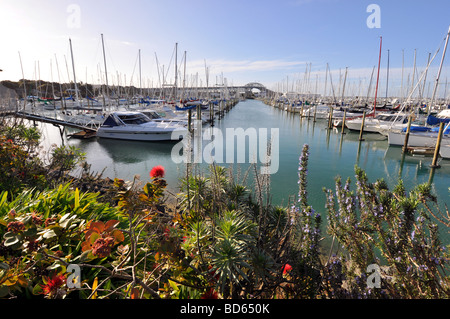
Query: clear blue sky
(271,42)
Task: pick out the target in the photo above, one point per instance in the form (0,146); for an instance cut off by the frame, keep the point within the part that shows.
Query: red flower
(210,294)
(33,245)
(157,172)
(102,247)
(16,227)
(53,284)
(286,268)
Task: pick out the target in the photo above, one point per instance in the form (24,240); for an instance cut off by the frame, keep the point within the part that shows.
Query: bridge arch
(255,85)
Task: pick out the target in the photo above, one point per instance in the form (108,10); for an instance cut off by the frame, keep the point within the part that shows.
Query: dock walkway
(82,126)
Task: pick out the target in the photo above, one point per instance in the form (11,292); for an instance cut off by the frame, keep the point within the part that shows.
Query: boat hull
(444,151)
(355,125)
(131,135)
(423,139)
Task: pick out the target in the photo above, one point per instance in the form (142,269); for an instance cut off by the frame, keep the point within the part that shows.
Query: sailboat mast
(387,76)
(74,77)
(325,89)
(343,87)
(106,72)
(24,84)
(425,79)
(140,74)
(60,86)
(414,69)
(438,74)
(176,72)
(378,77)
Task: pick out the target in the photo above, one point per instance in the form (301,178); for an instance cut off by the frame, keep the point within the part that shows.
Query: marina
(224,150)
(331,154)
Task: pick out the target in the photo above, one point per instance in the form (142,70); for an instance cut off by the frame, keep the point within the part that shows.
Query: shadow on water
(127,159)
(134,151)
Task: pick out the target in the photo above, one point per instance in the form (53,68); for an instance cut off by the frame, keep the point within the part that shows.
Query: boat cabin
(126,118)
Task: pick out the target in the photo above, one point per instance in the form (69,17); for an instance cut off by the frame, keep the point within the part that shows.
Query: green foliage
(64,159)
(373,225)
(20,165)
(239,244)
(41,233)
(17,168)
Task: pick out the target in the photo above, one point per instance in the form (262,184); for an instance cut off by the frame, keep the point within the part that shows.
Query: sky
(283,44)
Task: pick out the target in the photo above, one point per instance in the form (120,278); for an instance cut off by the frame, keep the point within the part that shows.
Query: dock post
(362,126)
(330,119)
(343,122)
(199,112)
(408,129)
(434,164)
(211,113)
(301,112)
(315,111)
(190,120)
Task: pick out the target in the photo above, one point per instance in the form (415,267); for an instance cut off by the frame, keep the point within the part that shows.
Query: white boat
(155,116)
(444,151)
(86,118)
(380,123)
(139,127)
(321,111)
(442,116)
(419,136)
(351,113)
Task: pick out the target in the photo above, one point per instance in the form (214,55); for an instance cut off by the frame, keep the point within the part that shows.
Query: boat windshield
(388,118)
(137,118)
(152,114)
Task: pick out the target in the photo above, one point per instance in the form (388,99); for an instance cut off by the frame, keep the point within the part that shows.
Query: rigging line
(170,62)
(108,52)
(95,56)
(417,84)
(134,69)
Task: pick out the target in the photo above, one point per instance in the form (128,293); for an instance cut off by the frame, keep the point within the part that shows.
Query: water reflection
(133,151)
(331,154)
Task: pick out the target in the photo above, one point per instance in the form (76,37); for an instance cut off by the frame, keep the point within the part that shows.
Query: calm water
(331,154)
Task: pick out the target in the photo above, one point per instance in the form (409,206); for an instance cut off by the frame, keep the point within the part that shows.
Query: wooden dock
(54,121)
(424,151)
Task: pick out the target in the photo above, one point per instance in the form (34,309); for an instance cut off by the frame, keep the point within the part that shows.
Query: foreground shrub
(221,240)
(391,232)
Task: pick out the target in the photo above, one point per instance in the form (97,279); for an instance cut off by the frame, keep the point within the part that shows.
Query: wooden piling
(211,114)
(190,120)
(330,119)
(434,164)
(408,129)
(362,126)
(315,111)
(343,122)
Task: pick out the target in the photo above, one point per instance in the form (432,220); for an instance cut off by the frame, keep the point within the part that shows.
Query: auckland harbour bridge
(246,91)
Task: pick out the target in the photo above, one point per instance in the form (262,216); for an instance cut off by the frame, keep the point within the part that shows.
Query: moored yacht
(419,136)
(444,151)
(379,123)
(139,127)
